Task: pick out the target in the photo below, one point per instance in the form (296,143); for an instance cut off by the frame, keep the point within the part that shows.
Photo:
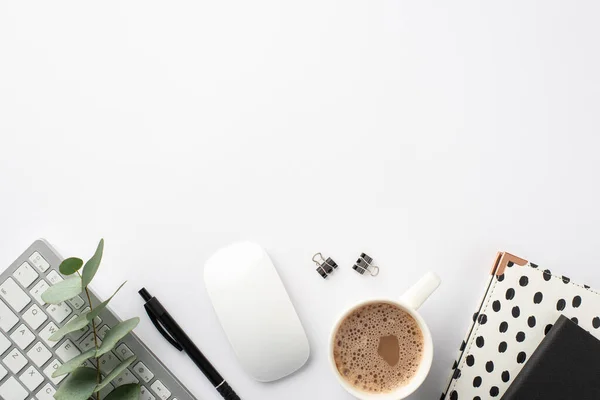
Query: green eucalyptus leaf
(96,311)
(131,391)
(91,267)
(71,326)
(79,385)
(73,363)
(114,373)
(63,290)
(115,334)
(70,265)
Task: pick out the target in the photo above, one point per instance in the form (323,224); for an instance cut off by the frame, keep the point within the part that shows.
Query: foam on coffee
(378,348)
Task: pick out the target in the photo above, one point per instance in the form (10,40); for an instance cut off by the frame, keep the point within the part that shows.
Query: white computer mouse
(255,311)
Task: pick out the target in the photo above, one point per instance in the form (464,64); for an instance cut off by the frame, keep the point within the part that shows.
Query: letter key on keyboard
(14,295)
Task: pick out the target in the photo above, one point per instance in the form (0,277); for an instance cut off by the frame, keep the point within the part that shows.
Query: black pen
(171,330)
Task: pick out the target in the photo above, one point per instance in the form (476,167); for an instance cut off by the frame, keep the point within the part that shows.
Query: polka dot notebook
(520,304)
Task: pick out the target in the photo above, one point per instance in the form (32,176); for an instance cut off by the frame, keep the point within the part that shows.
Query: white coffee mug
(409,302)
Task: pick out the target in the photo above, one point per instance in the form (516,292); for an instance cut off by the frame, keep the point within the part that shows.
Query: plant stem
(87,293)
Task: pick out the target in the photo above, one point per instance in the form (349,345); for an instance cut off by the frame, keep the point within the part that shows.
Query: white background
(428,134)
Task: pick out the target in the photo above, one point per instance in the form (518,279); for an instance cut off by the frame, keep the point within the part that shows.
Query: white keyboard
(28,358)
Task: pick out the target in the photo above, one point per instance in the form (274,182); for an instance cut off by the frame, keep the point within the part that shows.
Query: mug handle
(420,291)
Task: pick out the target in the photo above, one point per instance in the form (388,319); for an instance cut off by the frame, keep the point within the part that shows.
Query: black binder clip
(365,263)
(324,267)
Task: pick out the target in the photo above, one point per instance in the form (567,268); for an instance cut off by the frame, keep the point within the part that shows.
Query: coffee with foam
(378,348)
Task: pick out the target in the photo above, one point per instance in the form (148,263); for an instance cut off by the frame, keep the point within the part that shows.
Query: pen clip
(162,329)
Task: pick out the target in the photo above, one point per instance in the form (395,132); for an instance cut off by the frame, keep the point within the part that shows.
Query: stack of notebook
(534,336)
(566,365)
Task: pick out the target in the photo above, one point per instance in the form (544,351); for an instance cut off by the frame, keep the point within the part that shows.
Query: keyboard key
(89,363)
(78,334)
(12,390)
(3,372)
(46,393)
(77,302)
(48,331)
(102,331)
(88,343)
(54,277)
(123,352)
(143,372)
(39,262)
(161,391)
(108,362)
(15,361)
(145,394)
(4,344)
(67,351)
(124,378)
(39,354)
(38,289)
(49,370)
(34,316)
(59,312)
(14,295)
(8,319)
(25,274)
(31,378)
(22,337)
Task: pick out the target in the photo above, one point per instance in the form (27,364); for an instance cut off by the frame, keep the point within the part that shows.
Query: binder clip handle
(318,259)
(373,270)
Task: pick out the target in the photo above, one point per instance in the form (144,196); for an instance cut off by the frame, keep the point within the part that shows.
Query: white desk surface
(427,134)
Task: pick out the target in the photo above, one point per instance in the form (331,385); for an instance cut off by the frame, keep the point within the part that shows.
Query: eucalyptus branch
(95,332)
(83,382)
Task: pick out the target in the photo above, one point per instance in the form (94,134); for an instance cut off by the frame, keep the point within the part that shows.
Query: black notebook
(566,365)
